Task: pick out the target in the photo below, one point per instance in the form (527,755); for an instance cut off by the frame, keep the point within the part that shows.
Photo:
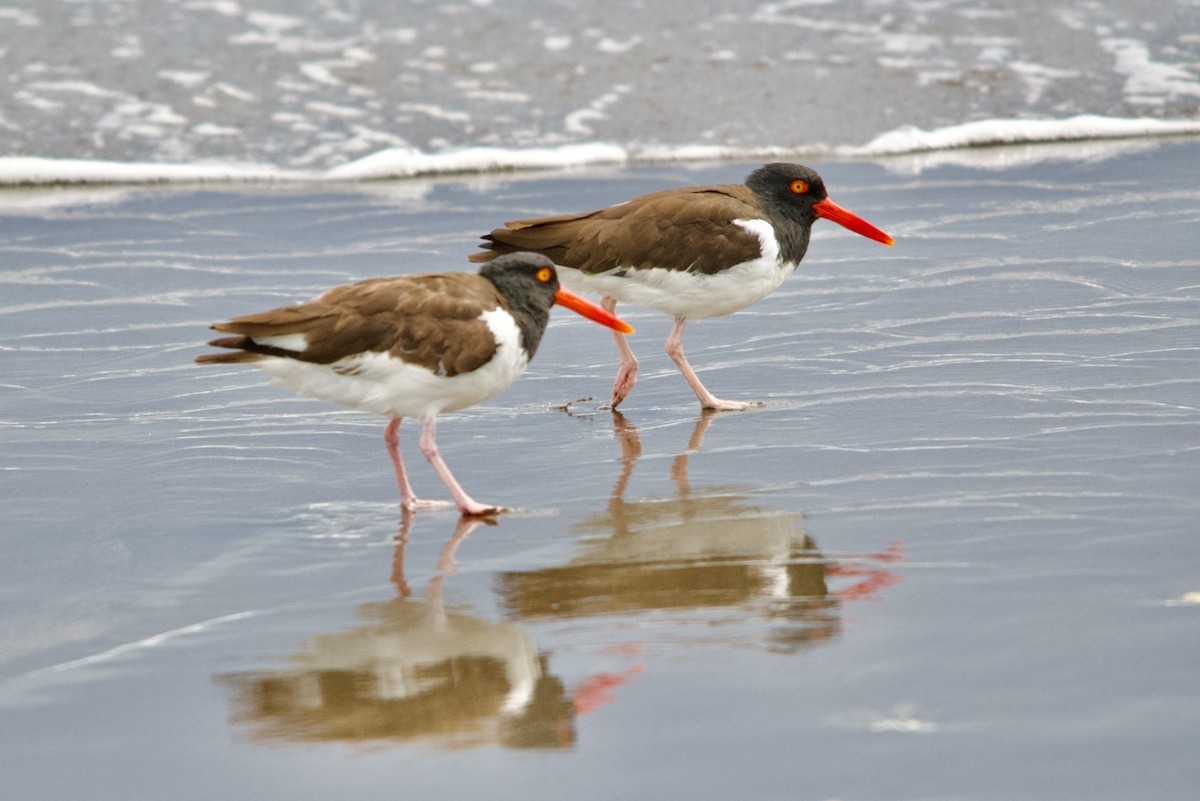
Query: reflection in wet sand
(413,671)
(706,549)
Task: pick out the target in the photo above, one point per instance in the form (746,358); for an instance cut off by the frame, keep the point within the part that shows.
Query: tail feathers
(500,242)
(278,332)
(550,236)
(245,349)
(492,247)
(277,322)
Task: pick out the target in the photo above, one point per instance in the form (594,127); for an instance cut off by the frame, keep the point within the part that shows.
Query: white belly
(376,382)
(689,294)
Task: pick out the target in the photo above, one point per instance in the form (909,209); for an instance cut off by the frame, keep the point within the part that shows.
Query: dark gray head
(790,190)
(793,197)
(531,276)
(528,282)
(789,193)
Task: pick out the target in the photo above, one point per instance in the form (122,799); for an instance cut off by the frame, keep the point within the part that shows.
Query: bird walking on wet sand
(692,252)
(411,346)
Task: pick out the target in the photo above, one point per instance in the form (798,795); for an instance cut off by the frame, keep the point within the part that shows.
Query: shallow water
(950,558)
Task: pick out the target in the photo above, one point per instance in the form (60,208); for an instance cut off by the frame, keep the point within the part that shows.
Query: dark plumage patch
(680,229)
(688,229)
(428,320)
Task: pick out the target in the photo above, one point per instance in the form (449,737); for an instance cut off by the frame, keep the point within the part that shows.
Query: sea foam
(985,133)
(403,162)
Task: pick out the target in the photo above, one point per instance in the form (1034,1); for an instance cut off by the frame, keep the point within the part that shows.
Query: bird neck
(792,223)
(792,237)
(531,318)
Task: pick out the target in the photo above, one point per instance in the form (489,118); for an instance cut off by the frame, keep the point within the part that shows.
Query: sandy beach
(953,556)
(957,546)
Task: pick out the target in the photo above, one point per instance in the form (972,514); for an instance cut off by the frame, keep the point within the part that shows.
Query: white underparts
(380,383)
(690,294)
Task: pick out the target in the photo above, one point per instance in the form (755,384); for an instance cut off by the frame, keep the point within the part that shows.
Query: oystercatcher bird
(692,252)
(411,346)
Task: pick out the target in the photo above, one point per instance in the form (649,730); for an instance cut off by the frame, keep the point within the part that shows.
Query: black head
(793,197)
(788,189)
(523,278)
(529,284)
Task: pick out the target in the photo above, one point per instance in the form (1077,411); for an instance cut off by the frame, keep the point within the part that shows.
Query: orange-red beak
(848,219)
(581,306)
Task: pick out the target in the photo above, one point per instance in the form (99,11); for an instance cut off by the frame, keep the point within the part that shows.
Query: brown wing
(430,320)
(680,229)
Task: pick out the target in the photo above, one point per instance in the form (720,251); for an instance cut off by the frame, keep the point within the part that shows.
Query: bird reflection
(702,549)
(411,671)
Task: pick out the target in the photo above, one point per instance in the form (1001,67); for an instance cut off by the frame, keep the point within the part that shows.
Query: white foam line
(1008,132)
(389,163)
(32,170)
(403,162)
(408,162)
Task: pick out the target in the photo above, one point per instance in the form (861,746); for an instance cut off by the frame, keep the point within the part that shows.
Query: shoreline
(967,143)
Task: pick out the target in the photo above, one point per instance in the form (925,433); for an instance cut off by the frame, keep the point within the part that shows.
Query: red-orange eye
(544,275)
(799,186)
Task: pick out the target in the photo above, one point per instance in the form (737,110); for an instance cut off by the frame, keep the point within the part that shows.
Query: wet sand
(951,557)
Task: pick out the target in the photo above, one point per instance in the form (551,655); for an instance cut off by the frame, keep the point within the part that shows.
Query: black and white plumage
(410,346)
(692,252)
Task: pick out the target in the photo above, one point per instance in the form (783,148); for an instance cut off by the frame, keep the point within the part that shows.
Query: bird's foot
(481,510)
(619,394)
(471,508)
(624,382)
(719,405)
(417,504)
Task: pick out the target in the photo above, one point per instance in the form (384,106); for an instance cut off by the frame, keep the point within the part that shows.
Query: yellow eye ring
(799,186)
(544,275)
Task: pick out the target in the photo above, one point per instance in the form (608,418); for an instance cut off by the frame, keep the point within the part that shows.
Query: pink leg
(627,370)
(408,499)
(707,399)
(466,504)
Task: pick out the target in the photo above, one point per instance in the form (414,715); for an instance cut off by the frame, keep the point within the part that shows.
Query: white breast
(694,295)
(379,383)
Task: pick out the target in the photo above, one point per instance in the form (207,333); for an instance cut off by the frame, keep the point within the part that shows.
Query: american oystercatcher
(411,346)
(692,252)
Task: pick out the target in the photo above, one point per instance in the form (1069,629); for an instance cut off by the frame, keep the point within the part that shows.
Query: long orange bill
(848,219)
(567,298)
